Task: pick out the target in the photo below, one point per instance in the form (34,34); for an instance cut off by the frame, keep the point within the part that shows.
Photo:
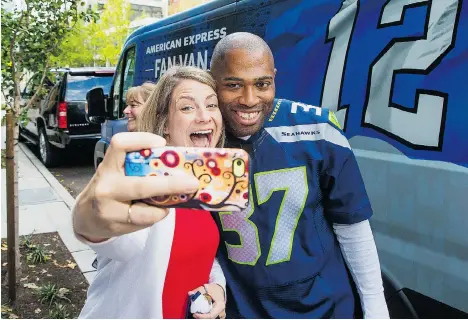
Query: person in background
(135,100)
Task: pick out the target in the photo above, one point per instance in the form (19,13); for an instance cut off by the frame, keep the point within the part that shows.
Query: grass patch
(27,241)
(37,254)
(59,311)
(51,293)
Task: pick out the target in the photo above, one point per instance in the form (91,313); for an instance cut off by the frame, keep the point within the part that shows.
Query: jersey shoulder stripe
(291,112)
(294,122)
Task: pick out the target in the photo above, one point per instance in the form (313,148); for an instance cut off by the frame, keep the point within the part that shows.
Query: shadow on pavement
(71,157)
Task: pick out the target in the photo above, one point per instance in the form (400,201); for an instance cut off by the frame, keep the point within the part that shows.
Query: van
(396,74)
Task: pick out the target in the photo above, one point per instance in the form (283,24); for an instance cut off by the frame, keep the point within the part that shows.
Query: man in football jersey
(286,255)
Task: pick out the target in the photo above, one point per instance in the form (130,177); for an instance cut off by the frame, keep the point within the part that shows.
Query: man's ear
(275,71)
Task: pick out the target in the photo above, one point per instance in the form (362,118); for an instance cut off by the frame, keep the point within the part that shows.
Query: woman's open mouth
(202,138)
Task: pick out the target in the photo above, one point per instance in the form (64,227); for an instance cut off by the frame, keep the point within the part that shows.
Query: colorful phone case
(223,175)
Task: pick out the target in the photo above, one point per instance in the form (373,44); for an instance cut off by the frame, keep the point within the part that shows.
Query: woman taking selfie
(149,273)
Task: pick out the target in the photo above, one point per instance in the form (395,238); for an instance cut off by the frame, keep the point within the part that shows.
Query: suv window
(78,86)
(123,81)
(31,86)
(52,98)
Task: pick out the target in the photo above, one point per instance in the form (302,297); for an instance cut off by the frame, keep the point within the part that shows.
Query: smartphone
(223,174)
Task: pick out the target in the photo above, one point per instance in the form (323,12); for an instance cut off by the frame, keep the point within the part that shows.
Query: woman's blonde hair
(143,92)
(156,113)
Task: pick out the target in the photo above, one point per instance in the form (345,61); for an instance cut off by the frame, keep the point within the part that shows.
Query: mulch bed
(60,270)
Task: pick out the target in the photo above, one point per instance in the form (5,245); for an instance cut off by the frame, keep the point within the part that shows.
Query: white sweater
(131,272)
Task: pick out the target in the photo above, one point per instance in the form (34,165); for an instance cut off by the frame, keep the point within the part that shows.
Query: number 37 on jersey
(293,183)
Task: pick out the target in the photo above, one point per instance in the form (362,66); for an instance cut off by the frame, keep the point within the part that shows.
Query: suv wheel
(47,152)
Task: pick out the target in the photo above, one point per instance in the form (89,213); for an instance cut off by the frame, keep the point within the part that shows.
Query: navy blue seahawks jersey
(280,256)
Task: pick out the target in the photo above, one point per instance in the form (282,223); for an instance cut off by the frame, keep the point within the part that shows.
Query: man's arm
(360,254)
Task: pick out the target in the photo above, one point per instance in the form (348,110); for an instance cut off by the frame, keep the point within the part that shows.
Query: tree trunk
(12,205)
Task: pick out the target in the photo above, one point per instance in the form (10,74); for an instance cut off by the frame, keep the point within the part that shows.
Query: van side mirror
(95,107)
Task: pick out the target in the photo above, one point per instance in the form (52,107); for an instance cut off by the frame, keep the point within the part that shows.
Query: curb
(54,183)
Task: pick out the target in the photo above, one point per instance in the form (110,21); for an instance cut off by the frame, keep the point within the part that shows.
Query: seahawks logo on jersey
(304,122)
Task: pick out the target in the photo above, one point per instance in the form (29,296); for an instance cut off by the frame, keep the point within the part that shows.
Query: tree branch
(5,98)
(39,87)
(16,88)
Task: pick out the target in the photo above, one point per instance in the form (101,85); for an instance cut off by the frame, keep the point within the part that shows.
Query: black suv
(59,119)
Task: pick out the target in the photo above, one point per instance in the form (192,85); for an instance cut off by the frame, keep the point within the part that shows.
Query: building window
(148,11)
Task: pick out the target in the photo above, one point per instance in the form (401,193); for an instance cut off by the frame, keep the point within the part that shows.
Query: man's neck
(238,142)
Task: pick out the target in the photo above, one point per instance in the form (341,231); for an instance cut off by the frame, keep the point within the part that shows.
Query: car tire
(47,153)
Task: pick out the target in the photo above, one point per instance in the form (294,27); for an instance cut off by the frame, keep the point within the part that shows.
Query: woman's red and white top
(148,273)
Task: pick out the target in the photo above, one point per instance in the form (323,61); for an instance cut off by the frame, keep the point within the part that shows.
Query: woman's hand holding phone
(104,209)
(223,175)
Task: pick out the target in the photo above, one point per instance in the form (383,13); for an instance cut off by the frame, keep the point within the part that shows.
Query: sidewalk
(44,206)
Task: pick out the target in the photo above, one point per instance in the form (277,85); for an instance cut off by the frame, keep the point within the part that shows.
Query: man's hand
(102,209)
(218,311)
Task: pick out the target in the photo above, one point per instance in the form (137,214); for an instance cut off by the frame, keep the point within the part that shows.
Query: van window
(128,74)
(116,94)
(123,81)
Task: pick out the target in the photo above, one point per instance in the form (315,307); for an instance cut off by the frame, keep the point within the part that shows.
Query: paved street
(76,169)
